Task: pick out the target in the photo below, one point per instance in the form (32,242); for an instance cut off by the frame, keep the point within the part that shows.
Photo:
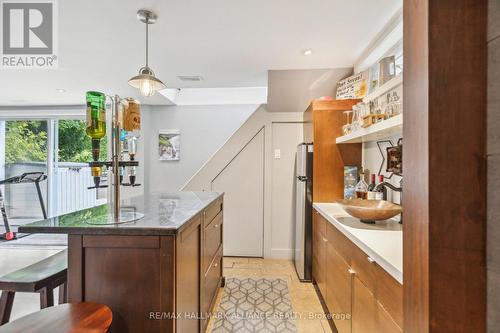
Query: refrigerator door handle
(303,178)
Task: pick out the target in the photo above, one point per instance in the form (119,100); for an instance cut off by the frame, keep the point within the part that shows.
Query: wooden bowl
(370,210)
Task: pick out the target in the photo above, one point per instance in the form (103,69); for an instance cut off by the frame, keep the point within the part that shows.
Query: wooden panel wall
(445,166)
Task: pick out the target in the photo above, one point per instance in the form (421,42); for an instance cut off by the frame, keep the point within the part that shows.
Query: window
(73,143)
(24,150)
(59,148)
(72,173)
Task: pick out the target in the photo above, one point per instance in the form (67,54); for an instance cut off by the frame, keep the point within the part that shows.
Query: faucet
(396,189)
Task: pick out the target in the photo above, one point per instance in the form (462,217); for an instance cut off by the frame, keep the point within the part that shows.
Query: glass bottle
(96,119)
(371,189)
(361,188)
(132,147)
(132,117)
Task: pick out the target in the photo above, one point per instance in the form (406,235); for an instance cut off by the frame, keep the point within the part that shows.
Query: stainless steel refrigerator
(303,211)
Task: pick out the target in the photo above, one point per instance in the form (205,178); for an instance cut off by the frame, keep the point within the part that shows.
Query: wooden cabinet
(319,252)
(211,278)
(323,122)
(360,295)
(369,316)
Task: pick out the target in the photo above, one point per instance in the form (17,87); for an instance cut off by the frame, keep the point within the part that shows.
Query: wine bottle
(381,193)
(96,120)
(371,189)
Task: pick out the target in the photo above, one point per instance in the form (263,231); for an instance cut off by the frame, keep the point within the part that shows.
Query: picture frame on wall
(169,142)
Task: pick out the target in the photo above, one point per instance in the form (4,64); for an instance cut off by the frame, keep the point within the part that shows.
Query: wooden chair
(41,277)
(64,318)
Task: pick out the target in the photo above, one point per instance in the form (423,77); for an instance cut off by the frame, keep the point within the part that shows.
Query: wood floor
(304,298)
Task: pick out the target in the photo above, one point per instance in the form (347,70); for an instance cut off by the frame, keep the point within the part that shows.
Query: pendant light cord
(147,42)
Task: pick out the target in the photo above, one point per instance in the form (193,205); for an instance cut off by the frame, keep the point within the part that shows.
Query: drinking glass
(347,128)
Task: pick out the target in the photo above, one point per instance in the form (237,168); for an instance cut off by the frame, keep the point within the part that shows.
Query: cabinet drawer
(319,223)
(338,286)
(384,287)
(212,211)
(213,239)
(368,315)
(342,244)
(212,281)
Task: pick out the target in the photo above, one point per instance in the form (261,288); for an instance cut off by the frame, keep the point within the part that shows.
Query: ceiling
(230,43)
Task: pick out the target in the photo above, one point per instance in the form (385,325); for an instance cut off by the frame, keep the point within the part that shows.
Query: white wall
(243,200)
(204,129)
(293,90)
(387,42)
(372,160)
(277,242)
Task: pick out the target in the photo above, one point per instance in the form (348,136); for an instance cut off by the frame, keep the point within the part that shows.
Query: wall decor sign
(169,143)
(355,86)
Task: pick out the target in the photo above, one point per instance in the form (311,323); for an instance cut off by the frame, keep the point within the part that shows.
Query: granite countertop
(164,214)
(383,242)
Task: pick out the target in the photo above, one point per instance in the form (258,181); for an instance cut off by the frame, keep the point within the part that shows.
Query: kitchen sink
(369,211)
(386,225)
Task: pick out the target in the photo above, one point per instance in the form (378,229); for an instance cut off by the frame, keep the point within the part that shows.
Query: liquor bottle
(371,189)
(361,188)
(381,193)
(132,117)
(96,120)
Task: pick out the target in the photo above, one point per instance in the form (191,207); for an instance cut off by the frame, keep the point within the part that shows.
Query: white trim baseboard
(280,254)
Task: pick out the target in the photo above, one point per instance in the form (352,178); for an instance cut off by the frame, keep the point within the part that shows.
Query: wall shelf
(388,86)
(381,130)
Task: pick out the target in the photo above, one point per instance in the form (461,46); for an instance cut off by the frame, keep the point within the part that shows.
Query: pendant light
(146,81)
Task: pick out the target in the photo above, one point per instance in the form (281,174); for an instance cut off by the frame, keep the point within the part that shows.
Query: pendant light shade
(146,81)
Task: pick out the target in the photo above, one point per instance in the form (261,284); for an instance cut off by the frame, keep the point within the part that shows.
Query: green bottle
(96,119)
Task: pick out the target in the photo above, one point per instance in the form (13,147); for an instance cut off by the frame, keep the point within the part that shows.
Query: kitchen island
(157,274)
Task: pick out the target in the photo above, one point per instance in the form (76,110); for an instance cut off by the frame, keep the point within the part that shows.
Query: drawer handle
(216,264)
(325,240)
(216,226)
(351,271)
(370,260)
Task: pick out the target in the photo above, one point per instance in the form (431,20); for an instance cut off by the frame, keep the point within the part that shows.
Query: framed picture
(169,143)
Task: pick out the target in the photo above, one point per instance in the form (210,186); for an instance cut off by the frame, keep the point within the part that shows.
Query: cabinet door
(188,265)
(319,252)
(338,286)
(368,315)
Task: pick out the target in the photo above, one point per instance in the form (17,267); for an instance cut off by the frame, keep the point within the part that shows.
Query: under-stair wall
(221,165)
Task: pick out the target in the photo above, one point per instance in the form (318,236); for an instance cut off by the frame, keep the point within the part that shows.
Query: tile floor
(304,298)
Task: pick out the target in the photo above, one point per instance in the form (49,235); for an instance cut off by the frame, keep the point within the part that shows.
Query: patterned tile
(255,304)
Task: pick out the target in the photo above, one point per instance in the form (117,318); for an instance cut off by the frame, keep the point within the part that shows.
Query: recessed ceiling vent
(190,78)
